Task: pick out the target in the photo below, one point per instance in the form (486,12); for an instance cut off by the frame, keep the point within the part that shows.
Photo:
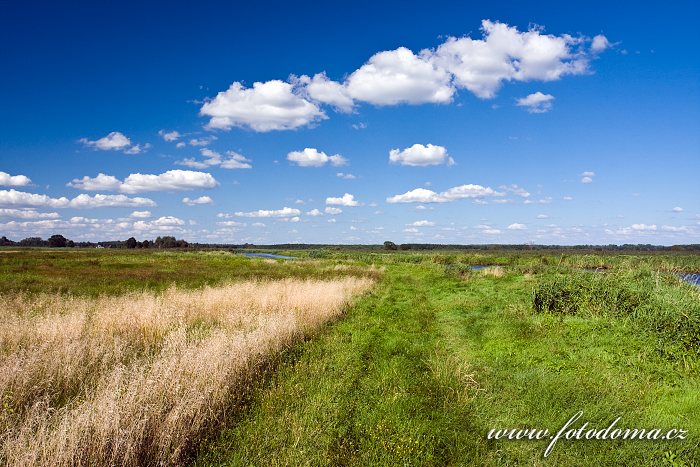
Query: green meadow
(422,366)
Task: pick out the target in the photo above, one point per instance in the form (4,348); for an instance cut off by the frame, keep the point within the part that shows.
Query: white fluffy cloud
(323,90)
(284,212)
(99,201)
(114,140)
(419,195)
(14,180)
(633,229)
(516,226)
(314,213)
(423,195)
(502,54)
(677,209)
(172,180)
(162,224)
(333,211)
(400,76)
(311,157)
(98,183)
(600,43)
(28,213)
(587,177)
(268,106)
(346,200)
(196,201)
(141,214)
(422,223)
(507,54)
(232,160)
(419,155)
(169,135)
(345,176)
(536,103)
(21,198)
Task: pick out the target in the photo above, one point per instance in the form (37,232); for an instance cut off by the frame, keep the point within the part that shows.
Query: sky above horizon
(497,122)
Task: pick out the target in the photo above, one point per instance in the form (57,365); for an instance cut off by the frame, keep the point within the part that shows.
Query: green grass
(422,367)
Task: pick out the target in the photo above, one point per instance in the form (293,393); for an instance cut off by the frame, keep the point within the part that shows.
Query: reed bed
(139,379)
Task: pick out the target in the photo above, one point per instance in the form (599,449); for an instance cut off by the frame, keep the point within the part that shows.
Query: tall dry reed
(137,379)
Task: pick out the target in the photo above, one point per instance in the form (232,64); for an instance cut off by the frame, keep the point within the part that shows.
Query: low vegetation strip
(140,378)
(653,301)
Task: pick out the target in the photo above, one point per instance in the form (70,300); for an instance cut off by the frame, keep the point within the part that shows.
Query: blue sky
(494,122)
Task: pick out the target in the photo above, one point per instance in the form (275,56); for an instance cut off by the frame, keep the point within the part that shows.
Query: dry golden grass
(137,379)
(493,271)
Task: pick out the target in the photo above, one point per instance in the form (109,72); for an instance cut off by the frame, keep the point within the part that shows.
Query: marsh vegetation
(343,357)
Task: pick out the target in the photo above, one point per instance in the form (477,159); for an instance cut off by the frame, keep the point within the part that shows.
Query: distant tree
(146,244)
(389,245)
(4,241)
(131,242)
(32,241)
(169,242)
(57,241)
(404,246)
(70,244)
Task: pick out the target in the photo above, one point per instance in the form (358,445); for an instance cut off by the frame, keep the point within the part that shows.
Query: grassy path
(425,365)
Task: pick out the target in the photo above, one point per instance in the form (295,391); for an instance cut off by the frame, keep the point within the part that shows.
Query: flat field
(344,357)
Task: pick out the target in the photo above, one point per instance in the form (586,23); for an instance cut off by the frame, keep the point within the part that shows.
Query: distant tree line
(59,241)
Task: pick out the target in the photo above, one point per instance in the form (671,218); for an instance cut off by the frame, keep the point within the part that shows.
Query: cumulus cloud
(587,177)
(98,201)
(196,201)
(536,103)
(677,209)
(419,195)
(83,201)
(333,211)
(268,106)
(169,135)
(323,90)
(98,183)
(162,224)
(28,213)
(114,141)
(507,54)
(345,176)
(172,180)
(141,214)
(400,76)
(423,223)
(419,155)
(633,229)
(346,200)
(423,195)
(284,212)
(314,213)
(232,160)
(516,226)
(14,180)
(311,157)
(600,43)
